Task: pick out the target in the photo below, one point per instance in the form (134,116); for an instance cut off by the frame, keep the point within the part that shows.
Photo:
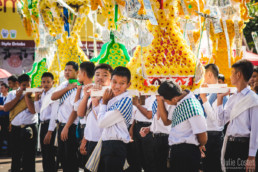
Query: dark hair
(255,69)
(169,90)
(13,78)
(23,78)
(104,66)
(5,85)
(245,67)
(222,77)
(88,67)
(213,68)
(47,74)
(122,71)
(74,64)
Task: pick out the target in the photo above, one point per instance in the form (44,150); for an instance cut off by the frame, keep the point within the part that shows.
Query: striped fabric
(125,106)
(188,108)
(67,94)
(154,108)
(93,162)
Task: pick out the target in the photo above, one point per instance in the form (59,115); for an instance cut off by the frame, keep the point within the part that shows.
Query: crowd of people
(175,130)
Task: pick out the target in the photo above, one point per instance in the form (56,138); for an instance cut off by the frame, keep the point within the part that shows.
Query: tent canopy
(252,57)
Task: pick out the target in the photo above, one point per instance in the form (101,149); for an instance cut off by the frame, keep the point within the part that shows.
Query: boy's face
(221,81)
(119,84)
(3,89)
(11,84)
(24,85)
(47,83)
(70,73)
(82,75)
(102,77)
(234,76)
(173,101)
(253,79)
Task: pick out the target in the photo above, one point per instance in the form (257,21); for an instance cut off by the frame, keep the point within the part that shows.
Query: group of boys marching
(173,131)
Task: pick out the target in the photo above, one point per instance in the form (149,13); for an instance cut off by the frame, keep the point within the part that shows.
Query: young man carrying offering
(240,143)
(67,119)
(188,126)
(23,119)
(47,120)
(89,108)
(114,117)
(85,77)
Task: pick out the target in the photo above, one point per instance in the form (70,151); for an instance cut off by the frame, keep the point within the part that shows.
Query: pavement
(5,164)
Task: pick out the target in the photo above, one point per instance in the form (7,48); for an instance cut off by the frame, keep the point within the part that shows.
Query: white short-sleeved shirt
(76,106)
(67,107)
(244,125)
(118,131)
(148,105)
(186,131)
(92,131)
(47,113)
(24,117)
(212,119)
(157,125)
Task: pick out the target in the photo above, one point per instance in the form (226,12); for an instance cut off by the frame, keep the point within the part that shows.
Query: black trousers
(236,156)
(67,150)
(81,158)
(48,151)
(161,149)
(4,132)
(24,145)
(212,162)
(185,158)
(112,157)
(90,146)
(142,149)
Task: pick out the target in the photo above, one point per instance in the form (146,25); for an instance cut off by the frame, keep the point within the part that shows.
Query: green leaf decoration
(39,69)
(113,53)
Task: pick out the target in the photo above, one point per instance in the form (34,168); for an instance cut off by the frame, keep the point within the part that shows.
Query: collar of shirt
(245,91)
(189,95)
(115,99)
(49,91)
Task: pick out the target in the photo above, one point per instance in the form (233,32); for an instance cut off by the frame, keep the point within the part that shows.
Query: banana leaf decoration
(36,72)
(113,53)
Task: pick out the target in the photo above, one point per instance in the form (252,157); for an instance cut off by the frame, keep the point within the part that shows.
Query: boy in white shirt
(211,161)
(160,134)
(67,119)
(188,126)
(47,120)
(23,126)
(240,143)
(141,154)
(89,107)
(85,77)
(114,117)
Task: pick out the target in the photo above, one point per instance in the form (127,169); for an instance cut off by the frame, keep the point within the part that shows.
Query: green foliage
(252,24)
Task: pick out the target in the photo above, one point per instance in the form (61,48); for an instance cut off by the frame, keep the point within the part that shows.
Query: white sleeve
(54,110)
(76,105)
(211,113)
(253,145)
(198,124)
(108,118)
(37,105)
(149,102)
(10,96)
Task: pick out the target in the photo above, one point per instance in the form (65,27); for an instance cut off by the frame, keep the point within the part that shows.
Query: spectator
(13,82)
(254,78)
(221,79)
(4,120)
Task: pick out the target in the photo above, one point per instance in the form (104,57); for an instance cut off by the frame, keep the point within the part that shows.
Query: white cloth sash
(247,102)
